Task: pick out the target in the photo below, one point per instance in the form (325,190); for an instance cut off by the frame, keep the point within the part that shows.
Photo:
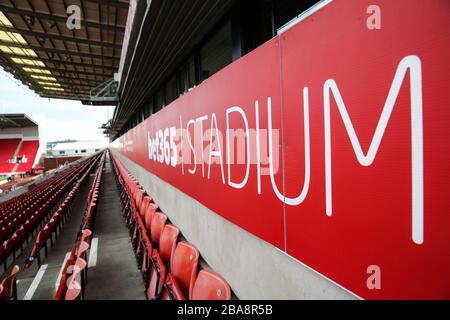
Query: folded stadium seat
(148,216)
(82,249)
(85,234)
(144,206)
(142,245)
(210,286)
(3,256)
(157,271)
(168,242)
(156,276)
(41,242)
(65,274)
(7,248)
(139,195)
(9,285)
(158,222)
(183,265)
(76,281)
(81,253)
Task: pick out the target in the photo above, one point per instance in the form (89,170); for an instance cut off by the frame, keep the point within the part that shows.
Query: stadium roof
(169,30)
(38,48)
(16,120)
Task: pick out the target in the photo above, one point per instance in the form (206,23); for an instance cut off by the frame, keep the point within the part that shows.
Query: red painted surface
(7,149)
(28,151)
(371,220)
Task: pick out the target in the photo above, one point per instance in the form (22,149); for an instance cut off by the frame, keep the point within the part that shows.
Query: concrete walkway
(116,275)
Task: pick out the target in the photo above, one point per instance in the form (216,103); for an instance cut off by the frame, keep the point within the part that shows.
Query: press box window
(171,90)
(159,100)
(191,73)
(148,109)
(286,10)
(217,52)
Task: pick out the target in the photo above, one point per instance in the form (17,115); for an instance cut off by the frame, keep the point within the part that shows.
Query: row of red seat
(21,216)
(8,286)
(59,217)
(74,273)
(169,265)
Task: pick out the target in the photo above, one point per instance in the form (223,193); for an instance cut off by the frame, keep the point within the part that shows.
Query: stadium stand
(8,148)
(27,153)
(60,214)
(169,268)
(22,216)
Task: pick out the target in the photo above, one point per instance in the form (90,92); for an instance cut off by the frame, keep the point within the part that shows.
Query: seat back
(148,216)
(210,286)
(145,202)
(158,223)
(74,288)
(84,246)
(9,285)
(168,241)
(184,264)
(138,197)
(85,234)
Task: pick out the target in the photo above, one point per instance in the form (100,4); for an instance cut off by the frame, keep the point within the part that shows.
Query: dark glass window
(217,52)
(159,101)
(286,10)
(182,80)
(171,90)
(148,108)
(191,73)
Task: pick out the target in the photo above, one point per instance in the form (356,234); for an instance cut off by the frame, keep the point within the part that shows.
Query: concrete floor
(115,275)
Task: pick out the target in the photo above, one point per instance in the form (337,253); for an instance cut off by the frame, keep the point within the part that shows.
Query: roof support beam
(111,3)
(45,35)
(70,74)
(57,62)
(58,51)
(73,81)
(66,71)
(46,16)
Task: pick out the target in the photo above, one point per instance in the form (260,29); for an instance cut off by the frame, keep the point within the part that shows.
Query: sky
(57,119)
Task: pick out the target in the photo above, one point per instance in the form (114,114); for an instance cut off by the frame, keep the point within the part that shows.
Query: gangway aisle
(115,275)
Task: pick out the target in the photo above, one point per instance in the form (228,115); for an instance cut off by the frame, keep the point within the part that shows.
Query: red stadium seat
(158,222)
(85,234)
(148,216)
(168,242)
(157,276)
(84,246)
(145,203)
(157,272)
(76,281)
(9,285)
(210,286)
(184,264)
(171,290)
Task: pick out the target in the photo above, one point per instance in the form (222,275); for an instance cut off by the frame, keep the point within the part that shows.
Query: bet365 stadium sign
(331,142)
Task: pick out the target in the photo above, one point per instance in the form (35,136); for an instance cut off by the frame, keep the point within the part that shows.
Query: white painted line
(35,283)
(93,253)
(60,271)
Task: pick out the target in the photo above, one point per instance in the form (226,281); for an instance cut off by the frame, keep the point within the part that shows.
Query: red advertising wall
(329,142)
